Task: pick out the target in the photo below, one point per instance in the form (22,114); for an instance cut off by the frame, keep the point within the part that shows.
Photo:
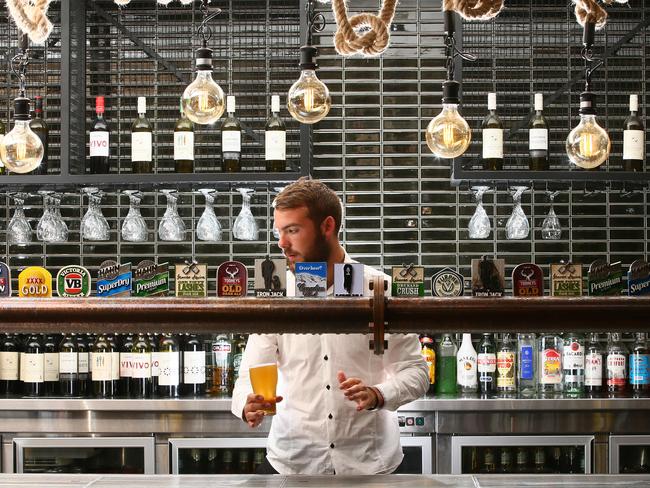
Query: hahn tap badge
(191,279)
(566,280)
(311,280)
(638,278)
(35,282)
(527,280)
(605,279)
(348,279)
(488,277)
(270,278)
(408,281)
(73,282)
(150,279)
(447,283)
(5,280)
(114,280)
(232,280)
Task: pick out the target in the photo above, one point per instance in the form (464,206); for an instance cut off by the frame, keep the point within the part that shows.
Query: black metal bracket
(315,21)
(451,49)
(204,30)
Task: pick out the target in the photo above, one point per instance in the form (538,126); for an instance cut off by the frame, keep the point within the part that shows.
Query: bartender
(338,399)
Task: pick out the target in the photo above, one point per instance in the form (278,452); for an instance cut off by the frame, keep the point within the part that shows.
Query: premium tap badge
(73,281)
(447,283)
(150,279)
(488,277)
(566,280)
(270,278)
(114,280)
(191,279)
(605,279)
(5,281)
(35,282)
(638,278)
(527,280)
(311,280)
(408,281)
(348,279)
(232,279)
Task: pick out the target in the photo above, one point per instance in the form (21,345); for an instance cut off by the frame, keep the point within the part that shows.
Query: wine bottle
(538,137)
(83,357)
(193,367)
(32,366)
(141,140)
(113,341)
(492,130)
(633,138)
(275,139)
(141,381)
(102,368)
(68,366)
(594,366)
(51,371)
(155,362)
(169,367)
(9,365)
(99,143)
(126,365)
(231,139)
(40,128)
(183,143)
(3,131)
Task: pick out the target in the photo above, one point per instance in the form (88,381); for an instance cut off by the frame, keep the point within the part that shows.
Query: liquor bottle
(633,138)
(102,368)
(639,366)
(193,367)
(141,140)
(51,366)
(492,130)
(32,367)
(9,365)
(68,366)
(83,355)
(183,143)
(466,377)
(40,128)
(231,139)
(428,352)
(487,365)
(99,142)
(550,365)
(126,365)
(212,463)
(239,346)
(594,366)
(573,363)
(258,459)
(506,366)
(506,465)
(538,137)
(539,461)
(169,367)
(275,139)
(522,461)
(488,464)
(222,366)
(446,366)
(244,464)
(113,341)
(616,365)
(155,362)
(227,462)
(527,367)
(141,381)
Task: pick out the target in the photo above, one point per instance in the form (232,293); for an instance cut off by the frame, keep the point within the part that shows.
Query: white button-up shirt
(316,429)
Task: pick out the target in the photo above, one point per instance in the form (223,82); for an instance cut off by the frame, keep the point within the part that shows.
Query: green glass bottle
(446,366)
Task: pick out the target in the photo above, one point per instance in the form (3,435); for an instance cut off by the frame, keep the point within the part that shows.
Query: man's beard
(320,253)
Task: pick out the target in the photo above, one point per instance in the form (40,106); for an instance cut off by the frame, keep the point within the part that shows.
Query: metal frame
(616,441)
(210,443)
(426,444)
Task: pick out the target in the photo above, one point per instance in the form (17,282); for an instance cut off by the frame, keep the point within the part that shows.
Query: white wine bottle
(141,140)
(275,139)
(231,139)
(633,138)
(538,137)
(492,131)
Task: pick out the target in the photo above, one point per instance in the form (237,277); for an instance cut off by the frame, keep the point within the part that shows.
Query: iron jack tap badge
(488,277)
(311,280)
(232,279)
(35,282)
(527,280)
(348,279)
(73,281)
(638,278)
(150,279)
(605,279)
(447,283)
(270,278)
(408,281)
(191,279)
(5,281)
(114,279)
(566,280)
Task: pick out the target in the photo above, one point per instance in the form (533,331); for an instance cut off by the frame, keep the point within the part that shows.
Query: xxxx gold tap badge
(566,280)
(5,280)
(35,282)
(73,281)
(150,279)
(191,279)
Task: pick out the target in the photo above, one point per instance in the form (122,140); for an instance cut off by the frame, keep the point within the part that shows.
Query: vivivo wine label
(566,280)
(113,279)
(150,279)
(73,281)
(5,280)
(191,279)
(348,279)
(311,280)
(488,277)
(527,280)
(270,278)
(35,282)
(232,279)
(638,278)
(408,281)
(447,283)
(605,279)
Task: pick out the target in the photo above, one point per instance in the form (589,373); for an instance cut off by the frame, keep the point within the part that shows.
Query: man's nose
(283,242)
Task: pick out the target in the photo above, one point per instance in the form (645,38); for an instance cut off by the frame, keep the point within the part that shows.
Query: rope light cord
(365,33)
(30,17)
(475,9)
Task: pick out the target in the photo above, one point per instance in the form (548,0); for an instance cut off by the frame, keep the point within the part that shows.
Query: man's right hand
(254,409)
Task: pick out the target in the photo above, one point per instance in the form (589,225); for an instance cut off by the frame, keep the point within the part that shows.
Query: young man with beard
(338,414)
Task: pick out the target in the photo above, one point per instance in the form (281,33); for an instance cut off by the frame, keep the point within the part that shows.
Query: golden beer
(264,378)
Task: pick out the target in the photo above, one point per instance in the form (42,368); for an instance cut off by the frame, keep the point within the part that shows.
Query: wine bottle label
(99,143)
(538,140)
(573,356)
(51,371)
(184,146)
(169,368)
(492,143)
(126,365)
(231,141)
(194,367)
(639,364)
(506,369)
(9,366)
(487,363)
(594,369)
(155,364)
(83,362)
(633,145)
(526,357)
(32,368)
(551,367)
(141,365)
(115,365)
(90,362)
(141,146)
(102,366)
(68,362)
(275,145)
(616,369)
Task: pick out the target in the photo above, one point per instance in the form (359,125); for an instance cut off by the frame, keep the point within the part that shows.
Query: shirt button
(330,416)
(325,358)
(328,387)
(331,446)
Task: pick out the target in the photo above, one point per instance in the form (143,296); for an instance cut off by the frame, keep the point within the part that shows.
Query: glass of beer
(264,378)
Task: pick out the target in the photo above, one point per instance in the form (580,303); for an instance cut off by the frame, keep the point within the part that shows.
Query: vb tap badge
(638,278)
(348,279)
(270,278)
(488,277)
(73,281)
(35,282)
(311,280)
(447,283)
(527,280)
(408,281)
(114,280)
(191,279)
(232,279)
(5,281)
(150,279)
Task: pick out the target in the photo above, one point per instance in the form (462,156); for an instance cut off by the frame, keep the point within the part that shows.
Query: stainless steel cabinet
(629,454)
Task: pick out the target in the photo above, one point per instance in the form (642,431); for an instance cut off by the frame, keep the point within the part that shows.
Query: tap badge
(311,280)
(113,279)
(5,281)
(150,279)
(232,280)
(566,280)
(348,279)
(488,277)
(408,281)
(73,281)
(527,280)
(638,278)
(270,278)
(447,283)
(191,279)
(35,282)
(605,279)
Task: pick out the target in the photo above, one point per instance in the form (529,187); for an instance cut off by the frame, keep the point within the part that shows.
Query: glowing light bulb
(308,99)
(588,144)
(448,134)
(21,150)
(203,99)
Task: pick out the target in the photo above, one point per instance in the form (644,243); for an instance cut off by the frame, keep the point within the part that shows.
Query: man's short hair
(321,202)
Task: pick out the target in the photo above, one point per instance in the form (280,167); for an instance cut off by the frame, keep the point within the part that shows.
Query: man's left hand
(355,390)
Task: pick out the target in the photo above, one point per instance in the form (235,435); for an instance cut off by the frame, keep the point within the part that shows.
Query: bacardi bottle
(466,376)
(594,366)
(506,366)
(573,363)
(527,364)
(616,365)
(639,364)
(487,365)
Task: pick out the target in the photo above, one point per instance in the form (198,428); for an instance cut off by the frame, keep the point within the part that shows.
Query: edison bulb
(21,150)
(309,99)
(588,144)
(203,99)
(448,134)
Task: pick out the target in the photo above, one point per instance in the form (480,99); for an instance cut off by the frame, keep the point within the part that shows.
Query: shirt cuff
(379,397)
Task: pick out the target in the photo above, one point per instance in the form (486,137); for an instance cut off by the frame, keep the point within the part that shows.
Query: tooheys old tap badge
(638,278)
(447,283)
(35,282)
(566,280)
(5,281)
(191,279)
(408,281)
(73,281)
(488,277)
(527,280)
(605,279)
(150,279)
(270,278)
(114,280)
(232,280)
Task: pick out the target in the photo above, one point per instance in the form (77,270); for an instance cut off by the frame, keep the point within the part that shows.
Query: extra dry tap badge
(232,279)
(150,279)
(191,279)
(114,280)
(311,280)
(638,278)
(527,280)
(348,279)
(408,281)
(488,277)
(605,279)
(447,283)
(35,282)
(5,281)
(270,278)
(566,280)
(73,281)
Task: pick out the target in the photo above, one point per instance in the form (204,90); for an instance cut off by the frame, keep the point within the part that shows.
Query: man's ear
(328,227)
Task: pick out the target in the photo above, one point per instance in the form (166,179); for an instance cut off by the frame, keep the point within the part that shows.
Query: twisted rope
(474,9)
(363,33)
(588,11)
(30,17)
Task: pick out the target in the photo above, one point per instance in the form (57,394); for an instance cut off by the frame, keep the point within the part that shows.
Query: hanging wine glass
(479,225)
(61,228)
(172,227)
(208,228)
(94,226)
(134,227)
(517,226)
(551,228)
(19,232)
(245,227)
(45,227)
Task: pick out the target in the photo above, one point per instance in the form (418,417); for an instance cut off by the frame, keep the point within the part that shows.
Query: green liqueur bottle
(446,369)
